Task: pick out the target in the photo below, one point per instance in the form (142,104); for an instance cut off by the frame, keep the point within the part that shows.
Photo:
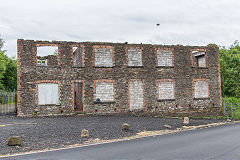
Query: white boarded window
(164,58)
(134,57)
(201,89)
(104,92)
(201,60)
(48,93)
(136,95)
(166,90)
(103,57)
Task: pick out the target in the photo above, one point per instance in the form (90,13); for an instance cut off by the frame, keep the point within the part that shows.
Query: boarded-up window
(77,57)
(104,91)
(48,93)
(136,95)
(164,58)
(199,58)
(103,57)
(134,57)
(201,89)
(165,90)
(201,61)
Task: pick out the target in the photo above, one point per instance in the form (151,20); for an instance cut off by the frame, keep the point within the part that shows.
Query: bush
(231,100)
(236,107)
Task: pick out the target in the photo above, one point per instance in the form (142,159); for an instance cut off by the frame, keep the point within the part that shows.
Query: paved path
(217,143)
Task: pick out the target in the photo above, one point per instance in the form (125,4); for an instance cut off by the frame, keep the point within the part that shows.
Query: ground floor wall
(129,96)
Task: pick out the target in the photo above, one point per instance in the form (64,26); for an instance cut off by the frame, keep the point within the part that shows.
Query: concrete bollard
(186,120)
(84,133)
(125,126)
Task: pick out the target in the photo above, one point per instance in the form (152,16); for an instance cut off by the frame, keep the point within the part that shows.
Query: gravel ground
(55,132)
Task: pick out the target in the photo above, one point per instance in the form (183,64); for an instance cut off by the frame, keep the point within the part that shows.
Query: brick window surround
(46,45)
(199,58)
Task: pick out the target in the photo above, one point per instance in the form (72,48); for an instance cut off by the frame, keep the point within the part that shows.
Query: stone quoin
(107,78)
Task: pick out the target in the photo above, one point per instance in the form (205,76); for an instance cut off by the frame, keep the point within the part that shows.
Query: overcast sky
(187,22)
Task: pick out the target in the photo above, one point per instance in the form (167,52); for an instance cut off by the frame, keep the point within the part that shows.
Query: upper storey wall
(130,55)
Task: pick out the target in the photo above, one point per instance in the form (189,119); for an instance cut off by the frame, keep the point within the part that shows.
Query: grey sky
(187,22)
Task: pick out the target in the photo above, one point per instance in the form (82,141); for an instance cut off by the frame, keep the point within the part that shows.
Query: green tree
(235,45)
(3,68)
(8,70)
(10,76)
(230,70)
(55,53)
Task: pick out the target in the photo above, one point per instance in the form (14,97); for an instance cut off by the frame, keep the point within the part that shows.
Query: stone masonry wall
(108,62)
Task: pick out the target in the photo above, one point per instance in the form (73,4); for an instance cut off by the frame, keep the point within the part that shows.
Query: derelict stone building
(103,78)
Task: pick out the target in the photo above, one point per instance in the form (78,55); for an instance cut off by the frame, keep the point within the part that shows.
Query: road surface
(217,143)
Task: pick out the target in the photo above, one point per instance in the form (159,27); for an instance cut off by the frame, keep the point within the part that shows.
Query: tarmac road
(216,143)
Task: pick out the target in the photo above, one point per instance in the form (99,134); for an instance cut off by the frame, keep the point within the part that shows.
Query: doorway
(136,99)
(78,96)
